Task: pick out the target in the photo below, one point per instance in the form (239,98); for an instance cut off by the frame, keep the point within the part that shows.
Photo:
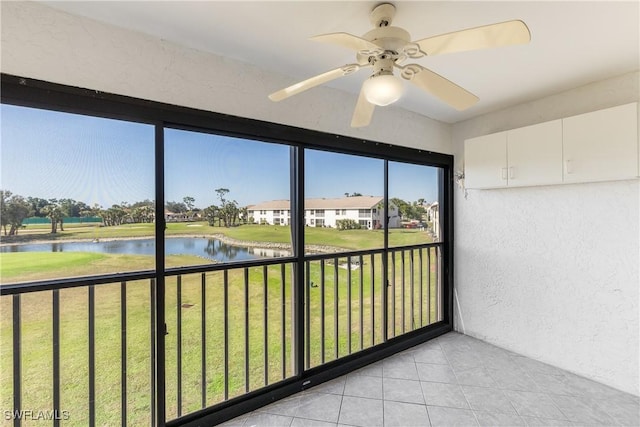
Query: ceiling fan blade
(494,35)
(435,84)
(363,112)
(350,42)
(314,81)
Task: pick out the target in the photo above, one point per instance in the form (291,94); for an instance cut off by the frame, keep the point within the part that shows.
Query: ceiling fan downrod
(382,15)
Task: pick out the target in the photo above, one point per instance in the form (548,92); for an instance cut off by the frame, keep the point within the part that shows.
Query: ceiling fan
(386,47)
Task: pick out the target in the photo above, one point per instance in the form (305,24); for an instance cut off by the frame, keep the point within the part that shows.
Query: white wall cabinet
(485,160)
(597,146)
(516,158)
(602,145)
(534,155)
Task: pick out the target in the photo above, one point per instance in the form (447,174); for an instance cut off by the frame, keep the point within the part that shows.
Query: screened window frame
(22,91)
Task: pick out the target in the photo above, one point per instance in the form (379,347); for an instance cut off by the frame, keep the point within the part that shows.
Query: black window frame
(27,92)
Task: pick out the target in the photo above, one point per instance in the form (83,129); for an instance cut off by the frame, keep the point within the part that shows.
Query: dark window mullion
(296,206)
(158,302)
(384,284)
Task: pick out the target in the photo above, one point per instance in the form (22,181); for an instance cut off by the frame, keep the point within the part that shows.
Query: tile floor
(454,380)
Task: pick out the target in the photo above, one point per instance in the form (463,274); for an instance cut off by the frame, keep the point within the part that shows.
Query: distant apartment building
(433,215)
(181,216)
(368,211)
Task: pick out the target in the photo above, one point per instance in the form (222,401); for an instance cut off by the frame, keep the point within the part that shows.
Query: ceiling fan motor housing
(392,41)
(389,38)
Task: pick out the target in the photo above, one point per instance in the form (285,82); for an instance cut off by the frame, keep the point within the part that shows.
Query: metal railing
(81,352)
(229,333)
(84,349)
(415,299)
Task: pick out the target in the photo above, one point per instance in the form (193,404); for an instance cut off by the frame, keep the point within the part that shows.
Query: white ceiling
(573,43)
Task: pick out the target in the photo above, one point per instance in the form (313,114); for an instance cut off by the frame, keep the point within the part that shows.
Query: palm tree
(210,214)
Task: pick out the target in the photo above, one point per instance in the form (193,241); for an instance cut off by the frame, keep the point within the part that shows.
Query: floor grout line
(524,371)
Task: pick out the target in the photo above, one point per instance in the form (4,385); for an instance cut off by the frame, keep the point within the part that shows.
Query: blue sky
(59,155)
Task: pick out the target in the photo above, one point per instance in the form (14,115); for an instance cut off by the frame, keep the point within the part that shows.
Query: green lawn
(20,265)
(36,321)
(348,239)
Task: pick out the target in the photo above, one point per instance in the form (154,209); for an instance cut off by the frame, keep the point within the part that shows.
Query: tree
(15,209)
(229,210)
(176,207)
(403,207)
(36,205)
(189,202)
(229,213)
(116,215)
(221,193)
(244,213)
(54,213)
(143,212)
(88,211)
(210,214)
(4,219)
(68,207)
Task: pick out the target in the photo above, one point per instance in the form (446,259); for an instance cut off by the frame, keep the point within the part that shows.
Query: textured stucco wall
(552,272)
(43,43)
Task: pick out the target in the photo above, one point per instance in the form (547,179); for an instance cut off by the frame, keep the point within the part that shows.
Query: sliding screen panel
(414,257)
(77,201)
(344,239)
(228,214)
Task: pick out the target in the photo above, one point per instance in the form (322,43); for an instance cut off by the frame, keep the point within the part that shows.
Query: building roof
(355,202)
(270,205)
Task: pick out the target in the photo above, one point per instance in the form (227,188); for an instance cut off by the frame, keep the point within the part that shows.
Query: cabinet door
(485,161)
(534,154)
(602,145)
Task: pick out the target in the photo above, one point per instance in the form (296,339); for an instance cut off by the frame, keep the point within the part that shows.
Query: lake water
(212,249)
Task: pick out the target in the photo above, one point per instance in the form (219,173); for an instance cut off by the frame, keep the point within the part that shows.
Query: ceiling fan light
(383,89)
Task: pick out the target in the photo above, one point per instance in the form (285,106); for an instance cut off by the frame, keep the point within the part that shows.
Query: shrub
(347,224)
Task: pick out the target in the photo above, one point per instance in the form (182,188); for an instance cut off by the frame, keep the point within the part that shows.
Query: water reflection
(219,250)
(212,249)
